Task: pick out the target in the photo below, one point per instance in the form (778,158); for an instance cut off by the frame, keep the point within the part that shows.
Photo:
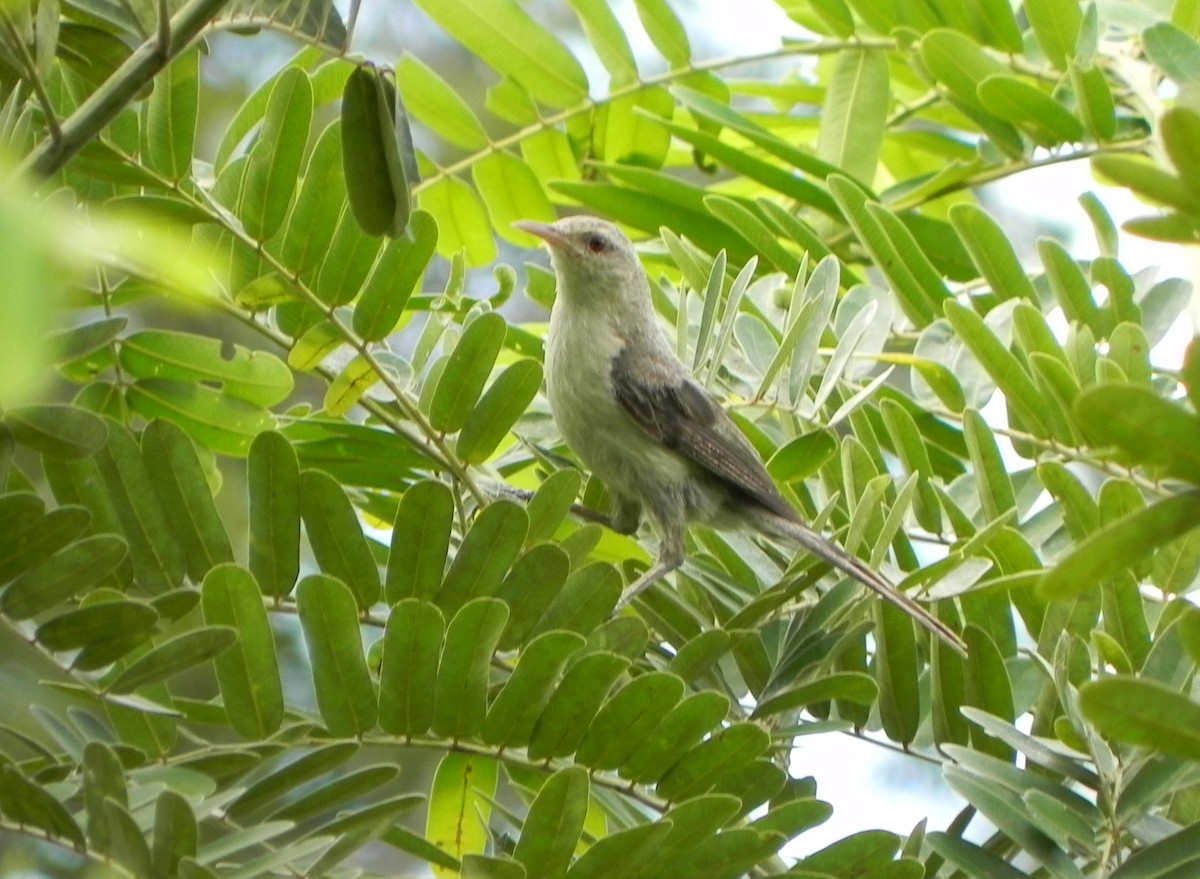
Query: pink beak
(544,231)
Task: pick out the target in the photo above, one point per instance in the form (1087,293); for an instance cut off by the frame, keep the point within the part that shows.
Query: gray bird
(633,414)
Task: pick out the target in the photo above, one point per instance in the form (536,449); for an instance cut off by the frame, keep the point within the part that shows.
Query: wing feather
(684,418)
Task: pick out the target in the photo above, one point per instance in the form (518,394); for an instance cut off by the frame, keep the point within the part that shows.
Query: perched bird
(633,414)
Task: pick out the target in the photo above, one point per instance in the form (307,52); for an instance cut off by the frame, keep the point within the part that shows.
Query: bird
(634,415)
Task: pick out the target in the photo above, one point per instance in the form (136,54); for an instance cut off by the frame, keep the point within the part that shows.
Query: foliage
(270,562)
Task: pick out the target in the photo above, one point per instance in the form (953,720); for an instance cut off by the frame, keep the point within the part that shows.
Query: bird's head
(592,258)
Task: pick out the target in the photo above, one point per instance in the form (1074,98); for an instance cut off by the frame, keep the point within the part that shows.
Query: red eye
(598,244)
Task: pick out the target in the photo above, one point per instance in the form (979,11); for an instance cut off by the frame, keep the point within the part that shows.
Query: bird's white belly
(604,437)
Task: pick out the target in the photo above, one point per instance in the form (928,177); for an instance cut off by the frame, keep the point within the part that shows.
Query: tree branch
(103,105)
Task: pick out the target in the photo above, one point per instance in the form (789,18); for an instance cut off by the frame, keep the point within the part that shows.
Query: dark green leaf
(393,279)
(68,572)
(498,410)
(562,725)
(329,618)
(56,430)
(336,536)
(273,478)
(554,823)
(174,656)
(248,673)
(273,164)
(179,480)
(487,552)
(460,695)
(466,372)
(412,643)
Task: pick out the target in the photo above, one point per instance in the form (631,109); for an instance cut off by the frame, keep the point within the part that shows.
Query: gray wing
(681,415)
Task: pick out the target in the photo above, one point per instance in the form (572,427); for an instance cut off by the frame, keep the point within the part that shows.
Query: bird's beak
(545,231)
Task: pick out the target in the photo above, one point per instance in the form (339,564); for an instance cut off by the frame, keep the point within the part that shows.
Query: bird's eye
(598,244)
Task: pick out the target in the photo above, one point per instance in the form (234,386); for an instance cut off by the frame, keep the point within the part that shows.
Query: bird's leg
(670,557)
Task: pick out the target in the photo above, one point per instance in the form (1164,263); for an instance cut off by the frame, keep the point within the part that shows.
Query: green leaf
(1150,430)
(248,673)
(665,31)
(1170,858)
(174,656)
(376,182)
(347,262)
(973,859)
(1094,96)
(273,480)
(318,206)
(1005,370)
(220,422)
(179,480)
(498,410)
(674,735)
(175,833)
(851,686)
(705,764)
(344,788)
(1121,544)
(1179,127)
(504,36)
(435,104)
(512,714)
(348,386)
(891,246)
(270,786)
(958,63)
(26,802)
(395,276)
(627,718)
(329,619)
(466,372)
(632,128)
(462,220)
(535,580)
(273,164)
(254,376)
(511,192)
(336,536)
(158,562)
(412,643)
(460,694)
(96,623)
(856,104)
(606,36)
(1047,121)
(485,555)
(420,540)
(1008,812)
(611,855)
(1173,51)
(896,672)
(563,723)
(27,538)
(171,115)
(1056,24)
(1143,712)
(554,823)
(550,504)
(585,601)
(57,430)
(995,486)
(992,252)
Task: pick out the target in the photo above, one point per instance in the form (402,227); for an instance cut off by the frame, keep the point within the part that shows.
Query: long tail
(823,549)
